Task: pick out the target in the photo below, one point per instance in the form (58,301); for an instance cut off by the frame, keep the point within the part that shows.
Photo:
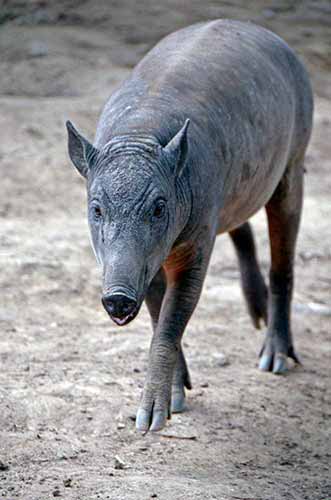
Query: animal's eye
(159,209)
(96,212)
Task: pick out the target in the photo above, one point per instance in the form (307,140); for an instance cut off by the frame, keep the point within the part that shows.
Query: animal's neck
(147,119)
(141,146)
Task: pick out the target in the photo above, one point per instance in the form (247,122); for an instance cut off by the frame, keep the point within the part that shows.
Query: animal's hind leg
(283,211)
(153,299)
(252,282)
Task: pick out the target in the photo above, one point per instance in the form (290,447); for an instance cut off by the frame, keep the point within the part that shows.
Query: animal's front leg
(182,294)
(154,298)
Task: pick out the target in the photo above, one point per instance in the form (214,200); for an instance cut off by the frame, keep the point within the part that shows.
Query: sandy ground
(70,381)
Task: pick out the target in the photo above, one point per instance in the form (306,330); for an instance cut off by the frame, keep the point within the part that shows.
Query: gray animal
(211,126)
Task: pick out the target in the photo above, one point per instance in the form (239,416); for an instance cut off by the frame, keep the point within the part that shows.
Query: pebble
(67,482)
(3,466)
(119,464)
(221,359)
(38,49)
(313,308)
(268,13)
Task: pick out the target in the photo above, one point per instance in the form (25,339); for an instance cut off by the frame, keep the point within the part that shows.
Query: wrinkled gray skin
(211,126)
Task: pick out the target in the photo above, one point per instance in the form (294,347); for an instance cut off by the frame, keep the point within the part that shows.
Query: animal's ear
(177,149)
(81,151)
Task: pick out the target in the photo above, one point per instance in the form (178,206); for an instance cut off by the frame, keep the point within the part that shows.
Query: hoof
(265,362)
(151,420)
(280,365)
(276,364)
(178,399)
(274,359)
(154,409)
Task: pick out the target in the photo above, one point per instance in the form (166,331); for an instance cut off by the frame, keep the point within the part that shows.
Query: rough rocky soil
(70,381)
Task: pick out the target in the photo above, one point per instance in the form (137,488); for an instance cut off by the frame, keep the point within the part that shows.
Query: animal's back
(205,71)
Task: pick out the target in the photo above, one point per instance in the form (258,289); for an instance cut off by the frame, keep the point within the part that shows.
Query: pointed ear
(177,148)
(81,151)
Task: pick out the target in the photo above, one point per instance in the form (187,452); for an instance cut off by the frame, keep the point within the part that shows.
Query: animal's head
(136,209)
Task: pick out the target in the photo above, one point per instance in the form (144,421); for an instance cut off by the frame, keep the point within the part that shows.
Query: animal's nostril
(118,305)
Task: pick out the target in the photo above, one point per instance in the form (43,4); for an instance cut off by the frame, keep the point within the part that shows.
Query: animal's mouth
(123,304)
(124,321)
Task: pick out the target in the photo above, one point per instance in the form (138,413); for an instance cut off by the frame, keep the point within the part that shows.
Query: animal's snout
(120,308)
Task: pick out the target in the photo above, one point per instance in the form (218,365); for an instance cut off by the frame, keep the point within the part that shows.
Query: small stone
(119,464)
(136,370)
(221,359)
(204,384)
(268,13)
(120,425)
(313,308)
(56,493)
(3,466)
(67,482)
(38,49)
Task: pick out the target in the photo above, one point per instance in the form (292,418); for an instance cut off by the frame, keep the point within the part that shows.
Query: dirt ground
(70,381)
